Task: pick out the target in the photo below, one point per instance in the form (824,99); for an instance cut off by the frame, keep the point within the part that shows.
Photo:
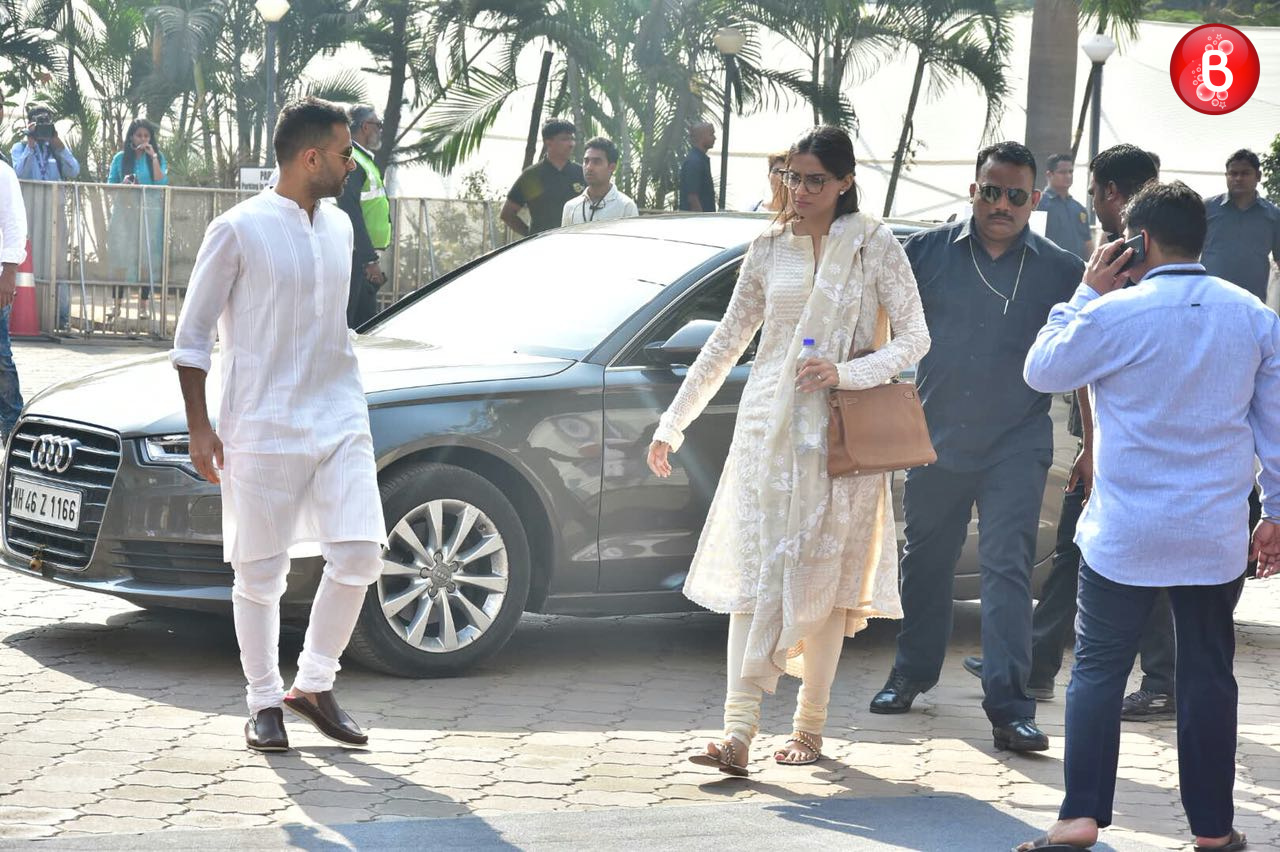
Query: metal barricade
(113,261)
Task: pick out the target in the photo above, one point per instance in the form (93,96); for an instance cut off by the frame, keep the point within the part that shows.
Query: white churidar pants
(350,566)
(821,656)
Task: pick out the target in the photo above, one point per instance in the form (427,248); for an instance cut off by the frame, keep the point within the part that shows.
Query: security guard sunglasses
(991,193)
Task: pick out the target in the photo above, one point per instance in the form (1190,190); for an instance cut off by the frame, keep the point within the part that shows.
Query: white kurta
(299,464)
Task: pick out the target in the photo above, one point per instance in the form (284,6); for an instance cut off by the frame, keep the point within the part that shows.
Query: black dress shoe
(898,694)
(265,731)
(973,665)
(328,718)
(1020,735)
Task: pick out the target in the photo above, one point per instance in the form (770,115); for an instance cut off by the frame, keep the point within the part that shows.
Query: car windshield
(558,295)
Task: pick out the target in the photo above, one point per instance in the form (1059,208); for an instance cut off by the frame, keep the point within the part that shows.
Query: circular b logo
(1214,69)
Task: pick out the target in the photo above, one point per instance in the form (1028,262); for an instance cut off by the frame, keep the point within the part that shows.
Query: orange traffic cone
(24,320)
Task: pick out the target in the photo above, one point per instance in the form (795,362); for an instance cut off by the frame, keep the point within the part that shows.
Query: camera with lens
(42,118)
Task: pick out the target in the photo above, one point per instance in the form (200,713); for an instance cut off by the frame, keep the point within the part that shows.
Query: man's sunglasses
(347,154)
(991,193)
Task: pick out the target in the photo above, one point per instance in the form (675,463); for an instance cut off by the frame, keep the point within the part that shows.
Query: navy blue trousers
(1109,626)
(937,505)
(1053,621)
(10,390)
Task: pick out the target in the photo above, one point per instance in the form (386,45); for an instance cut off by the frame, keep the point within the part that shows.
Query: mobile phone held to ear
(1139,245)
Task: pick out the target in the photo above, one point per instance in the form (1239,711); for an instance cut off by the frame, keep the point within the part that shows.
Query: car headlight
(171,451)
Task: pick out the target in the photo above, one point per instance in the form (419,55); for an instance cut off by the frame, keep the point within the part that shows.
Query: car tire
(386,641)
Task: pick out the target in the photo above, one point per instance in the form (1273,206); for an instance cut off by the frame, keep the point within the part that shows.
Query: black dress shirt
(979,409)
(544,189)
(695,179)
(1238,242)
(1067,223)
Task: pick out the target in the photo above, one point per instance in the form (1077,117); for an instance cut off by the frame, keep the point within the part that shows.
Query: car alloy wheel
(444,577)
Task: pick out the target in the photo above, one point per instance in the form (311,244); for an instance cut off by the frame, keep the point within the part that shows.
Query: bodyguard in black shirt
(545,186)
(987,285)
(697,190)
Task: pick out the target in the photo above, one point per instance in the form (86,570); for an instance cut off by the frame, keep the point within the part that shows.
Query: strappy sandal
(722,760)
(1236,843)
(805,740)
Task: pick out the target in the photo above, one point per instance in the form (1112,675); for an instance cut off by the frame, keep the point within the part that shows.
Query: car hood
(141,396)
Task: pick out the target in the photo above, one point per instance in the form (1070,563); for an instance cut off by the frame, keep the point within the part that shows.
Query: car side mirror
(681,348)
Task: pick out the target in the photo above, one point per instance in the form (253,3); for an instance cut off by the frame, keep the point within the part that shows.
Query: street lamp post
(271,11)
(1098,47)
(728,40)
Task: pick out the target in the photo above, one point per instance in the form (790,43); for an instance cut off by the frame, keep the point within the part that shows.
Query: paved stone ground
(114,720)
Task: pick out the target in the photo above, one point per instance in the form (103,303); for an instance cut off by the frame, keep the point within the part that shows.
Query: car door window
(707,301)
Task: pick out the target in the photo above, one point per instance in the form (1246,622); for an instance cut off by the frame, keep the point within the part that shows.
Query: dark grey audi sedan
(511,404)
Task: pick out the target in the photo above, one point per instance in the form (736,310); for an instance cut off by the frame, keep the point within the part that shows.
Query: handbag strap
(878,339)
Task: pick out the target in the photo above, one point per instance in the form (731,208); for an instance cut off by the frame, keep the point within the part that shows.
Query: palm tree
(183,36)
(837,38)
(111,54)
(1051,74)
(638,70)
(1051,77)
(27,49)
(952,41)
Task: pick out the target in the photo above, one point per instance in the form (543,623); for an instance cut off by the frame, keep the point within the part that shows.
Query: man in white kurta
(292,449)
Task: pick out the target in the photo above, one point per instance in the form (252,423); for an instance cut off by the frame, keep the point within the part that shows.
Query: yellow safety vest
(373,201)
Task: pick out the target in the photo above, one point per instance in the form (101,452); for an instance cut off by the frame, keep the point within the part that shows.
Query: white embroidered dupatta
(799,578)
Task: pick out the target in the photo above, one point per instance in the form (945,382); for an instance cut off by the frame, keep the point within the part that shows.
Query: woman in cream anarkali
(799,560)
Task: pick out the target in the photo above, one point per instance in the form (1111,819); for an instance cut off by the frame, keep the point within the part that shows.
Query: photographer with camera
(43,155)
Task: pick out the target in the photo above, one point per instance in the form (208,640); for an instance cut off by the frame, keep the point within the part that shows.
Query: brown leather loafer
(265,731)
(328,718)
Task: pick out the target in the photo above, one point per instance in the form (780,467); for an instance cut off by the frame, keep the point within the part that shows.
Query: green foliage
(1239,13)
(952,42)
(27,49)
(1271,170)
(639,71)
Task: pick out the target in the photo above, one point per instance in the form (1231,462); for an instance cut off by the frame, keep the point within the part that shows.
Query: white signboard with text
(256,178)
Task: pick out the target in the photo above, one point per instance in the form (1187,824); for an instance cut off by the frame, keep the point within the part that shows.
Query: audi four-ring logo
(53,453)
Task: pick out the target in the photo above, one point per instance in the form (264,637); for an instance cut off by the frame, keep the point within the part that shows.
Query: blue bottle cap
(808,341)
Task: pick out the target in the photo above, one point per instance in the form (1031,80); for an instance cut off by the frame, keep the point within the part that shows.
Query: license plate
(36,501)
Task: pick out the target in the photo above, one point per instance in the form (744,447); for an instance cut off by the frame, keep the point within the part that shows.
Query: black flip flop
(1237,843)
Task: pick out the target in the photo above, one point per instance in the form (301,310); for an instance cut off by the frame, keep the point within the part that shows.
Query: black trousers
(937,504)
(1053,622)
(362,300)
(1108,631)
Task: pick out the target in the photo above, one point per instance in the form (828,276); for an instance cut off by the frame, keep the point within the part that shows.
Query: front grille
(93,470)
(173,563)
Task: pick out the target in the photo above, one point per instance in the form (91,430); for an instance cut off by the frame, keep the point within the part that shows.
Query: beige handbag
(879,429)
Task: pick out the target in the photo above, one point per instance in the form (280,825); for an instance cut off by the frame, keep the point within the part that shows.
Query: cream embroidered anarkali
(782,540)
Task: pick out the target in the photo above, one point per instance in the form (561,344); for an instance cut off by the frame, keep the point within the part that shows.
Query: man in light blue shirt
(47,161)
(1185,372)
(44,159)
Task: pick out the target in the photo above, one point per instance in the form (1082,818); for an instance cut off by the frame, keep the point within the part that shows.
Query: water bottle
(806,433)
